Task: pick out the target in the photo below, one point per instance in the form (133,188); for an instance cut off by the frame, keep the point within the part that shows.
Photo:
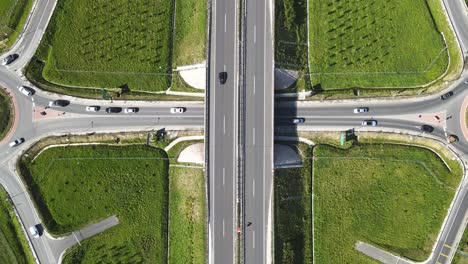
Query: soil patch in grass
(13,243)
(109,44)
(391,196)
(80,185)
(374,44)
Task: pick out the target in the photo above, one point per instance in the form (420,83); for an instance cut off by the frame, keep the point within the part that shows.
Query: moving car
(222,77)
(61,103)
(361,110)
(177,110)
(9,59)
(25,90)
(369,123)
(298,120)
(93,108)
(34,232)
(446,96)
(452,138)
(427,128)
(114,110)
(131,110)
(16,142)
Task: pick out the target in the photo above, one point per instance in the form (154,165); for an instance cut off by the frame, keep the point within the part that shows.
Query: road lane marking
(253,239)
(253,136)
(224,125)
(445,245)
(254,84)
(255,33)
(223,227)
(224,173)
(442,254)
(224,22)
(253,188)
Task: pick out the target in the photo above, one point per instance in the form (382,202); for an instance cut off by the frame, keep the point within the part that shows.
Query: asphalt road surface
(223,110)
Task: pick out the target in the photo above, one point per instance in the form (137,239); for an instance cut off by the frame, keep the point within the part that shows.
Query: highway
(392,116)
(258,130)
(222,133)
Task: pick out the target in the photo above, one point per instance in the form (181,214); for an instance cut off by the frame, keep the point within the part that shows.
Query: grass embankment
(6,113)
(463,246)
(291,40)
(293,213)
(13,243)
(368,44)
(76,186)
(109,44)
(391,196)
(187,215)
(13,16)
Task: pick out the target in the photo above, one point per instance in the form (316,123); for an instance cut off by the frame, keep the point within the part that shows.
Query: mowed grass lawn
(187,215)
(393,197)
(374,44)
(13,245)
(109,43)
(80,185)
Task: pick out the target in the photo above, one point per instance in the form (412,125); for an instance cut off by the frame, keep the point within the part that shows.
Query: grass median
(13,245)
(368,44)
(391,196)
(6,113)
(13,16)
(77,186)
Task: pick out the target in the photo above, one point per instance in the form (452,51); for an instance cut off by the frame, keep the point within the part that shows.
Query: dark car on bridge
(222,77)
(427,128)
(113,110)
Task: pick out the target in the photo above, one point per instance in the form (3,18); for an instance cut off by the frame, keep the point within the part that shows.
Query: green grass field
(13,246)
(394,197)
(13,15)
(463,246)
(6,114)
(76,186)
(187,215)
(293,213)
(374,44)
(109,44)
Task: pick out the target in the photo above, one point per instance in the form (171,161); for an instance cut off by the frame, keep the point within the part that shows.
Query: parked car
(25,90)
(34,231)
(369,123)
(177,110)
(9,59)
(113,110)
(298,120)
(446,96)
(361,110)
(131,110)
(427,128)
(17,142)
(222,77)
(93,108)
(60,103)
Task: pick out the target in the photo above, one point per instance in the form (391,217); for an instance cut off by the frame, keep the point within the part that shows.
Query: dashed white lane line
(224,125)
(224,175)
(253,138)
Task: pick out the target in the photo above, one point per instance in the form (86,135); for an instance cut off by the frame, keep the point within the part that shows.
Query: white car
(369,123)
(16,142)
(131,110)
(25,90)
(177,110)
(361,110)
(34,232)
(92,108)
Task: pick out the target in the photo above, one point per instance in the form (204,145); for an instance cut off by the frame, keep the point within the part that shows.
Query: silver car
(369,123)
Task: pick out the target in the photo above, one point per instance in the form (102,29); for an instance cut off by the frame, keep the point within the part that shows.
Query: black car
(61,103)
(446,96)
(427,128)
(114,110)
(222,77)
(9,59)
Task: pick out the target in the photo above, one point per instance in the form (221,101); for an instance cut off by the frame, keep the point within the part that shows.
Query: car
(446,95)
(25,90)
(60,103)
(92,108)
(369,123)
(131,110)
(222,77)
(452,138)
(177,110)
(34,231)
(17,142)
(298,120)
(113,110)
(427,128)
(9,59)
(361,110)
